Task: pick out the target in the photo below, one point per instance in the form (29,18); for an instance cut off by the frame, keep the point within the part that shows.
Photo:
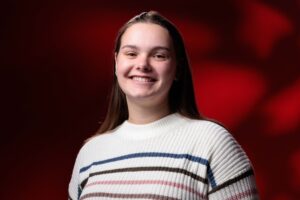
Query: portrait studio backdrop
(57,70)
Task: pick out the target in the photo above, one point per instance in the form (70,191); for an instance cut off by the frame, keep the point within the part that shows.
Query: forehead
(147,34)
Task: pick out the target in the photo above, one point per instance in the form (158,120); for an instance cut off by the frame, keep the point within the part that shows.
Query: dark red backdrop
(56,63)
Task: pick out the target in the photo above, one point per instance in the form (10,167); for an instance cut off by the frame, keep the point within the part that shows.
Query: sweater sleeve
(74,185)
(231,173)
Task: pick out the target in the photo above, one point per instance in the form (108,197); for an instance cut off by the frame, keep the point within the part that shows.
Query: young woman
(153,143)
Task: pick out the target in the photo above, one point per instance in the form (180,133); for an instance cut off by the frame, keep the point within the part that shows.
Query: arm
(232,175)
(74,189)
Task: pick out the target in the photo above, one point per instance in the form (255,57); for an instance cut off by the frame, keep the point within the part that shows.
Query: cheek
(119,71)
(122,68)
(169,71)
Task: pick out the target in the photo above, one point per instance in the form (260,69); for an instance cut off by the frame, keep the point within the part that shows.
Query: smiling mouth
(143,79)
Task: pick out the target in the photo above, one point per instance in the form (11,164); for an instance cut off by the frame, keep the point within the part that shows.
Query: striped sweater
(171,158)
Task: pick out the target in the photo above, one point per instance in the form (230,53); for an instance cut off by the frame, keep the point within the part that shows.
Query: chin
(141,96)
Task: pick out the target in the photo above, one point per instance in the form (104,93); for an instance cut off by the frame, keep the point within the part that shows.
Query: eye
(131,54)
(160,56)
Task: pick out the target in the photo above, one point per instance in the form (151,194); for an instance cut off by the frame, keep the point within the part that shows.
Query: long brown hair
(181,94)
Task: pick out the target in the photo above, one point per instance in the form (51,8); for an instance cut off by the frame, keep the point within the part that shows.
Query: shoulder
(99,140)
(210,135)
(205,127)
(96,144)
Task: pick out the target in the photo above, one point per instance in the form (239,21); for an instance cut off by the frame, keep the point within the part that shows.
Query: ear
(116,54)
(116,64)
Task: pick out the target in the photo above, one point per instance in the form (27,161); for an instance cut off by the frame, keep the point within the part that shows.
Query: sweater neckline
(133,131)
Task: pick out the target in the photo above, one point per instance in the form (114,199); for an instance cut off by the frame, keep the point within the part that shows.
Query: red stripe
(137,182)
(127,196)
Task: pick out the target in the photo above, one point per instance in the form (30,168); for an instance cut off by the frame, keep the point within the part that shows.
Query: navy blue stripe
(248,173)
(79,192)
(158,154)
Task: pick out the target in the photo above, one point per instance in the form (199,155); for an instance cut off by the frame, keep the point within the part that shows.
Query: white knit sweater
(171,158)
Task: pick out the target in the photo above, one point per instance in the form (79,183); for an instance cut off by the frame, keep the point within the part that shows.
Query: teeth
(142,79)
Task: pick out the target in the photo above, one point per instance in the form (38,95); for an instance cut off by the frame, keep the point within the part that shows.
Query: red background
(56,69)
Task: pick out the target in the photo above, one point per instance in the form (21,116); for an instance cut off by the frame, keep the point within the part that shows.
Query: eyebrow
(155,48)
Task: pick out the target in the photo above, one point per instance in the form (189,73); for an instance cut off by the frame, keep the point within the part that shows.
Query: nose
(143,64)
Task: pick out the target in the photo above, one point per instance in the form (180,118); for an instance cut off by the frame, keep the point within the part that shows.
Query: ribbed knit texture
(172,158)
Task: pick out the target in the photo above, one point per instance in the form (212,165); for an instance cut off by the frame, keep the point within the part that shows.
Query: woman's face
(145,63)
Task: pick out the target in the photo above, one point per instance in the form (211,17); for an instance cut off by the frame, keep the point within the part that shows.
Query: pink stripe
(136,182)
(243,194)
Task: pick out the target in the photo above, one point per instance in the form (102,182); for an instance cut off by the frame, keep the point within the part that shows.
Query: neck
(143,114)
